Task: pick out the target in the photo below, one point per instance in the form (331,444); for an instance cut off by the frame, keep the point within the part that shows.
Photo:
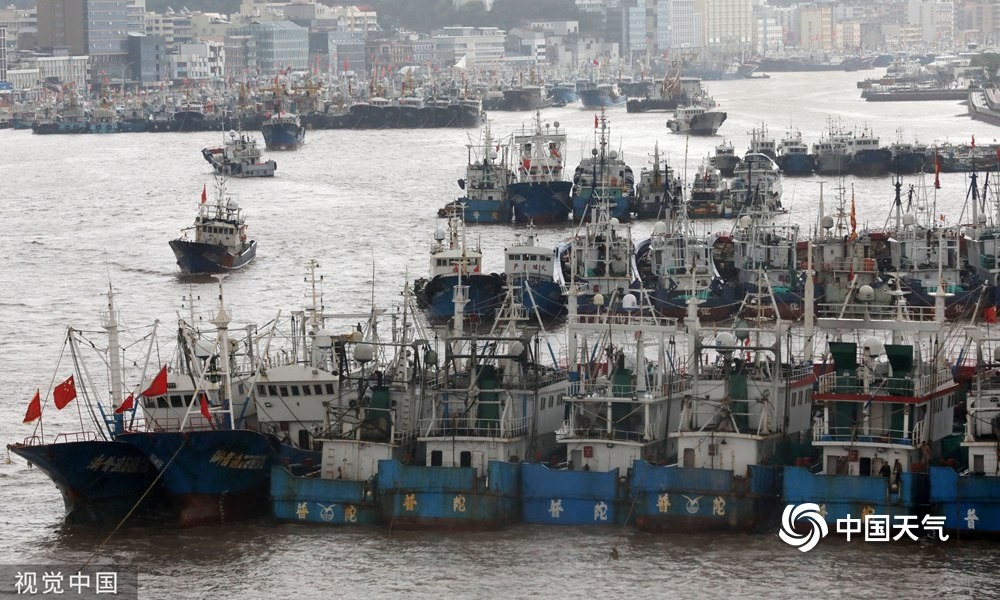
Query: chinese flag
(126,405)
(204,192)
(595,121)
(204,408)
(64,393)
(973,142)
(159,385)
(989,316)
(34,409)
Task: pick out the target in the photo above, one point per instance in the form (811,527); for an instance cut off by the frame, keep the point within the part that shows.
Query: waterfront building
(279,45)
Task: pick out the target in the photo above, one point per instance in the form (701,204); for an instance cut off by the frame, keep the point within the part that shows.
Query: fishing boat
(623,392)
(530,272)
(710,197)
(926,256)
(101,479)
(540,194)
(793,155)
(603,175)
(487,176)
(761,142)
(677,266)
(696,120)
(212,467)
(599,261)
(658,192)
(969,499)
(283,131)
(492,405)
(603,94)
(982,237)
(868,158)
(725,159)
(220,243)
(374,416)
(239,156)
(764,258)
(756,185)
(831,152)
(455,264)
(749,400)
(884,405)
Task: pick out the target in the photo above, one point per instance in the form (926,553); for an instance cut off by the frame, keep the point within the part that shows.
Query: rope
(152,485)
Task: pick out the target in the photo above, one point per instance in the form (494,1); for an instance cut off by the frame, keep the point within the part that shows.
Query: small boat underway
(220,241)
(283,131)
(696,120)
(239,156)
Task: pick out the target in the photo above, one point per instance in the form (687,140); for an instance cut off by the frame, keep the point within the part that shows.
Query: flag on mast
(34,411)
(64,393)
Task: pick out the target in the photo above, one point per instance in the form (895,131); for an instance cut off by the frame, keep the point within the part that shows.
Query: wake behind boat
(220,240)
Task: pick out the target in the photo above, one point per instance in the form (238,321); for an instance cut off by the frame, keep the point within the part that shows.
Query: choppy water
(78,210)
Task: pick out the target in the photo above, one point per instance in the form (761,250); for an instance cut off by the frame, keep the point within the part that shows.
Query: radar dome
(873,346)
(598,299)
(660,228)
(745,221)
(826,222)
(364,352)
(725,340)
(629,301)
(908,219)
(613,154)
(866,293)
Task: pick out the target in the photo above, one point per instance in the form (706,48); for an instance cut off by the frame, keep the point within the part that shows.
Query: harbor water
(80,211)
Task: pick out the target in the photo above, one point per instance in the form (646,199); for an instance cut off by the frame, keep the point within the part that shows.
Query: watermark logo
(874,527)
(808,513)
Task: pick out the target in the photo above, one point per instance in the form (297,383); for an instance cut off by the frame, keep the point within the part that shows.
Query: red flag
(64,393)
(34,409)
(973,142)
(854,220)
(126,405)
(989,316)
(347,64)
(159,385)
(937,169)
(204,408)
(595,122)
(204,192)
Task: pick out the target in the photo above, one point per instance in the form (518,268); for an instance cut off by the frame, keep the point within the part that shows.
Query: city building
(148,63)
(280,45)
(479,45)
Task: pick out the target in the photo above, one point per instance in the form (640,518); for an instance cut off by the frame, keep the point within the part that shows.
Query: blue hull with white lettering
(100,481)
(843,496)
(324,501)
(213,476)
(674,499)
(413,497)
(564,497)
(969,504)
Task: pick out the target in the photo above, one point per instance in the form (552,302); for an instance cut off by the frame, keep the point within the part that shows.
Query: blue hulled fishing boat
(621,397)
(530,271)
(604,174)
(211,468)
(969,499)
(100,478)
(220,241)
(744,406)
(486,179)
(373,417)
(492,405)
(883,409)
(454,264)
(540,194)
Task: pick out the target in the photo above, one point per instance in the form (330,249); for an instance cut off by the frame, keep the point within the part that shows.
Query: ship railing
(600,390)
(471,426)
(195,423)
(875,312)
(628,317)
(76,436)
(874,435)
(881,387)
(858,265)
(599,431)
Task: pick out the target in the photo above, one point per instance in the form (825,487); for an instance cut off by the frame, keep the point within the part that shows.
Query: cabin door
(689,458)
